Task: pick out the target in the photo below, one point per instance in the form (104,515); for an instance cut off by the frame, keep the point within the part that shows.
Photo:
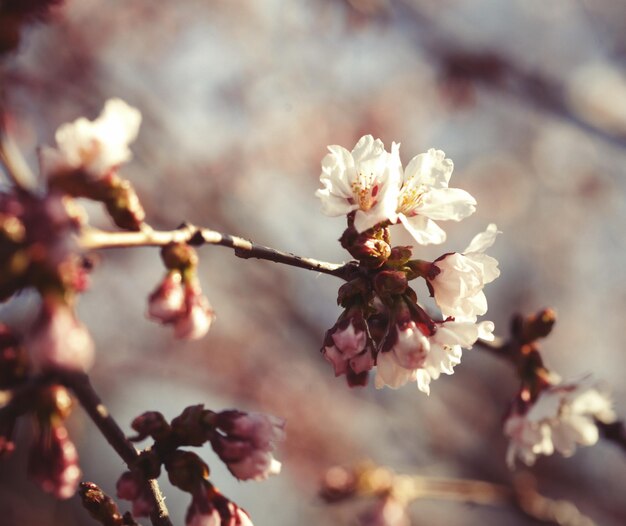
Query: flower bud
(197,317)
(245,442)
(211,508)
(131,486)
(186,470)
(369,248)
(100,506)
(167,302)
(59,340)
(53,462)
(151,424)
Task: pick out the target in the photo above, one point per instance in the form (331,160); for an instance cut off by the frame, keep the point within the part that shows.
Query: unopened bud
(99,505)
(530,328)
(151,424)
(186,471)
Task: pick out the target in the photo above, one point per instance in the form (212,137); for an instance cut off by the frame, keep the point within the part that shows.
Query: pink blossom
(167,302)
(197,317)
(59,340)
(53,462)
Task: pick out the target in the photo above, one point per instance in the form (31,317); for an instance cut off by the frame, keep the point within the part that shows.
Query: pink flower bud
(59,340)
(346,345)
(211,508)
(245,441)
(167,302)
(133,488)
(53,462)
(197,317)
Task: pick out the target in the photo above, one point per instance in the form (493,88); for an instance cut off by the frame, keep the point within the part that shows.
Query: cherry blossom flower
(562,416)
(365,180)
(245,441)
(458,287)
(417,356)
(59,340)
(425,197)
(95,147)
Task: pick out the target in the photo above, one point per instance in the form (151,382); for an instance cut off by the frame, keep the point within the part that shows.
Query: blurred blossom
(562,416)
(425,197)
(53,462)
(597,92)
(59,340)
(96,147)
(365,180)
(197,317)
(387,511)
(167,302)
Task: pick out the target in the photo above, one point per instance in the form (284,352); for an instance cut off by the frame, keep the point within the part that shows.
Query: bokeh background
(239,101)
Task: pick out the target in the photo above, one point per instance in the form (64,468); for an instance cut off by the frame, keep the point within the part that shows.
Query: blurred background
(239,101)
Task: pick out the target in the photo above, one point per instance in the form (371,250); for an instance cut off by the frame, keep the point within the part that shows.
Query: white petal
(430,168)
(424,230)
(443,204)
(484,240)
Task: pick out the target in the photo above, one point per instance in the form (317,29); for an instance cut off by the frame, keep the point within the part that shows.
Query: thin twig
(13,164)
(94,239)
(80,385)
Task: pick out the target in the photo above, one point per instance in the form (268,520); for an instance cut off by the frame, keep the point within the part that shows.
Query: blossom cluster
(383,325)
(563,415)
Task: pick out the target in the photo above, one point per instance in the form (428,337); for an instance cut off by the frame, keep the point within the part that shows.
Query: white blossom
(365,180)
(96,147)
(458,288)
(416,357)
(425,197)
(562,416)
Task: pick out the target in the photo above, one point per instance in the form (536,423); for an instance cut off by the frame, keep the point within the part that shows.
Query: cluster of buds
(243,441)
(549,415)
(382,324)
(178,300)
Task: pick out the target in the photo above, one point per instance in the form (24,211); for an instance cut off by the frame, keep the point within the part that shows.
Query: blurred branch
(370,480)
(92,239)
(496,72)
(80,385)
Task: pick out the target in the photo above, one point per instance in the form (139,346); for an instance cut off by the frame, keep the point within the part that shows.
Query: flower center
(365,190)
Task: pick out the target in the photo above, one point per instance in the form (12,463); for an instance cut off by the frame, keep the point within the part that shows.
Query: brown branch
(615,432)
(93,239)
(80,385)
